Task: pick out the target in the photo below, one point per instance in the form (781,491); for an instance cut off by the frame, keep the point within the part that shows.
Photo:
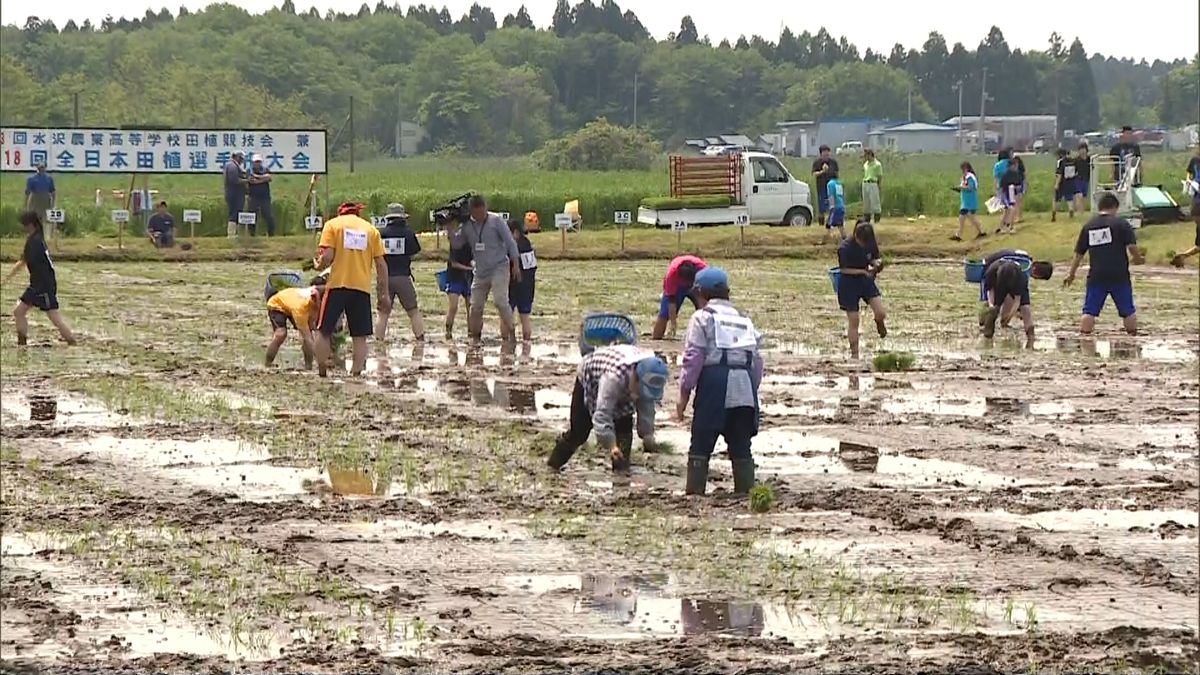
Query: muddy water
(59,410)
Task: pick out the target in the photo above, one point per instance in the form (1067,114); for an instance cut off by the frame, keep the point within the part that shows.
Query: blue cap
(652,377)
(711,278)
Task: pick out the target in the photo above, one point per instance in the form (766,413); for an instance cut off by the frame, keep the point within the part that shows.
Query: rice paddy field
(913,185)
(169,505)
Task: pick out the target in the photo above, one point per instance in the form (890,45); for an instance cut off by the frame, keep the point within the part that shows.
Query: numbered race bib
(354,240)
(1100,236)
(528,261)
(393,246)
(734,332)
(1068,172)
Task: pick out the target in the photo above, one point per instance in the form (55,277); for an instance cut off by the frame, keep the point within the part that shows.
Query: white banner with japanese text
(158,151)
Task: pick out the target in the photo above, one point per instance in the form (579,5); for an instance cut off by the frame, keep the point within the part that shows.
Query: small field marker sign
(191,215)
(622,217)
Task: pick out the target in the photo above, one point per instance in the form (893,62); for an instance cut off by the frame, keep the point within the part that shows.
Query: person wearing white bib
(521,291)
(723,366)
(399,246)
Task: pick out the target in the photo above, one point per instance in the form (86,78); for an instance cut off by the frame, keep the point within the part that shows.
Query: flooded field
(170,505)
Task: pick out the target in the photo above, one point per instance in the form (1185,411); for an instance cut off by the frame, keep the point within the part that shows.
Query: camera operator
(496,264)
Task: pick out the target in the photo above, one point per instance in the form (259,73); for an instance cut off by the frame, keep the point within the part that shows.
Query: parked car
(758,189)
(850,148)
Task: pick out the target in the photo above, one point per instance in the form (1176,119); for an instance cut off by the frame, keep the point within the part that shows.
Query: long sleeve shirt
(606,375)
(700,350)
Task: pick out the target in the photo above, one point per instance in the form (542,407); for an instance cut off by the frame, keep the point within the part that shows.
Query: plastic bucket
(602,329)
(973,271)
(835,276)
(442,280)
(277,281)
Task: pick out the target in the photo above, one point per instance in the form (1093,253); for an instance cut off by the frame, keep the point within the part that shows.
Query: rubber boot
(231,230)
(697,476)
(621,466)
(560,456)
(743,476)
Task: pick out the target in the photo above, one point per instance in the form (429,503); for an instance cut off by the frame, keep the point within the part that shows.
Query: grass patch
(893,362)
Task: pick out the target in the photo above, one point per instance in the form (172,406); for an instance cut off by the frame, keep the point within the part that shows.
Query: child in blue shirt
(837,208)
(968,202)
(859,262)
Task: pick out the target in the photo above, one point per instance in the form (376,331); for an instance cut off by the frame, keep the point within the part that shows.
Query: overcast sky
(1165,29)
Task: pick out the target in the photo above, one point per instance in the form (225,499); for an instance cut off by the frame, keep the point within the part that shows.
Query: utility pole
(399,119)
(214,126)
(982,112)
(958,86)
(76,97)
(635,97)
(910,101)
(351,134)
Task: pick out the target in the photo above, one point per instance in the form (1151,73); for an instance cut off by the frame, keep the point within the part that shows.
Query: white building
(913,137)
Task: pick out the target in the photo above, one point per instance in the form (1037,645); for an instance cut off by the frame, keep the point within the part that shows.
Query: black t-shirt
(992,279)
(823,179)
(1083,169)
(1020,167)
(1124,151)
(37,261)
(399,264)
(1105,238)
(1012,176)
(260,191)
(161,222)
(460,252)
(852,255)
(525,246)
(1002,253)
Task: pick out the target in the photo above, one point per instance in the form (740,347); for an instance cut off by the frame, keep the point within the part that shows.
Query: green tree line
(505,86)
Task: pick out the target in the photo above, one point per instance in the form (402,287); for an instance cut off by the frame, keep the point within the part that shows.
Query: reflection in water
(744,619)
(360,482)
(617,598)
(858,458)
(43,408)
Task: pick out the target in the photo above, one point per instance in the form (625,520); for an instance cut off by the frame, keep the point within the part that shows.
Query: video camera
(456,210)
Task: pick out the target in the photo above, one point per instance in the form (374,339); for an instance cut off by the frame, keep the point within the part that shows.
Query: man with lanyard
(350,245)
(823,167)
(611,384)
(722,364)
(496,266)
(872,175)
(399,246)
(1125,150)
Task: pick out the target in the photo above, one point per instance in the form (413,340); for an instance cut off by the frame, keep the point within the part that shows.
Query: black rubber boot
(621,466)
(560,456)
(697,475)
(743,476)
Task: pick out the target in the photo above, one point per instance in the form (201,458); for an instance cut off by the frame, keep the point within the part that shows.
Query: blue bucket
(277,281)
(442,282)
(973,271)
(602,329)
(835,276)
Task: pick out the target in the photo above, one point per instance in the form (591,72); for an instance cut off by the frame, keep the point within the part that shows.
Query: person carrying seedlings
(1109,242)
(968,202)
(677,287)
(859,262)
(1064,184)
(723,366)
(611,385)
(837,208)
(352,246)
(521,291)
(42,291)
(459,273)
(399,246)
(1005,289)
(298,307)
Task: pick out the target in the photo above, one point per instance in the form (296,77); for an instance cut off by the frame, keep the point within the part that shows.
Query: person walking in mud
(859,262)
(611,385)
(351,245)
(42,291)
(1109,243)
(677,287)
(399,246)
(497,264)
(723,366)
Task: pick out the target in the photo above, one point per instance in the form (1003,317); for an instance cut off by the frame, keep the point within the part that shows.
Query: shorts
(520,296)
(1081,186)
(1097,293)
(403,288)
(355,304)
(279,319)
(967,212)
(459,287)
(664,304)
(837,218)
(46,301)
(1065,192)
(852,291)
(1009,195)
